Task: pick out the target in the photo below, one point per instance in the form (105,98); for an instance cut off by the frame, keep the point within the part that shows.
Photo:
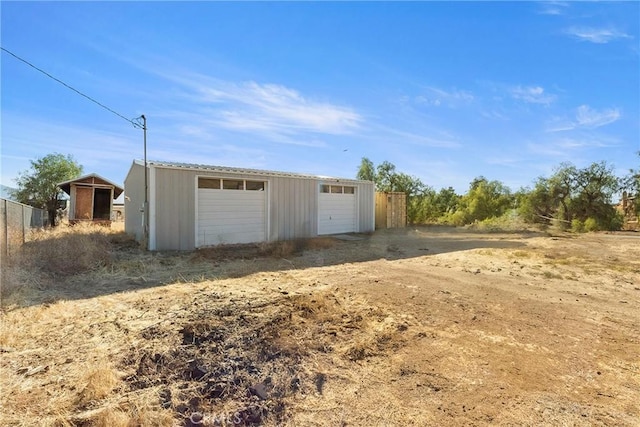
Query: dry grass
(155,356)
(324,355)
(552,275)
(520,254)
(52,255)
(99,382)
(57,264)
(66,250)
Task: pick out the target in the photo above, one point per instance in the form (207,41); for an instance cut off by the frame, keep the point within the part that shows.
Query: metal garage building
(193,206)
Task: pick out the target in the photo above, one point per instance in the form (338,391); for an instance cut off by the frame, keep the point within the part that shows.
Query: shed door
(234,212)
(337,209)
(84,203)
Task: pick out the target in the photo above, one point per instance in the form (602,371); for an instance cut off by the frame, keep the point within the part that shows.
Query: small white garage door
(337,209)
(231,211)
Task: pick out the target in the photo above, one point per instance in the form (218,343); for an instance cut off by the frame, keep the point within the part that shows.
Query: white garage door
(337,209)
(234,211)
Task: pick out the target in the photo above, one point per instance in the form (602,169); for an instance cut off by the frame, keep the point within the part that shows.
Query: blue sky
(447,91)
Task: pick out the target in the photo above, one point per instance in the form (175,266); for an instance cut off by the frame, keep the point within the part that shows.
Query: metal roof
(241,171)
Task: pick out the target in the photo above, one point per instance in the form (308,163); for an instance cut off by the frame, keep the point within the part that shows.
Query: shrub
(577,226)
(458,218)
(590,224)
(617,222)
(508,222)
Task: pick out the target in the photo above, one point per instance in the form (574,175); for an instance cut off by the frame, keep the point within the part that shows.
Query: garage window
(232,184)
(209,183)
(337,189)
(255,186)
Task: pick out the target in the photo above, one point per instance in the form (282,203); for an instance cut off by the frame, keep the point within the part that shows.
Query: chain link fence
(16,221)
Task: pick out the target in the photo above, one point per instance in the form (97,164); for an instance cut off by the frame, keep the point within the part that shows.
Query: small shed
(90,198)
(194,205)
(391,210)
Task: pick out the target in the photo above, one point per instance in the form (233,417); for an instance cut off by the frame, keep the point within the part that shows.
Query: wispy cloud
(493,114)
(553,8)
(439,97)
(588,117)
(267,108)
(425,138)
(596,35)
(566,147)
(532,95)
(559,124)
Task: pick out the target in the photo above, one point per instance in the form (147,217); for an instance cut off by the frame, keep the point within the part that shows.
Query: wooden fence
(391,210)
(16,221)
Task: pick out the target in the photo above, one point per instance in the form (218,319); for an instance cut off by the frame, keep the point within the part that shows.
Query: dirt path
(547,333)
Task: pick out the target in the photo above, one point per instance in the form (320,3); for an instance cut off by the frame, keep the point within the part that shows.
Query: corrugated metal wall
(366,206)
(174,206)
(292,205)
(133,201)
(293,208)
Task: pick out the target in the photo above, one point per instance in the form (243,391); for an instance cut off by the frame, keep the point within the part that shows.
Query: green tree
(386,177)
(367,170)
(536,205)
(572,196)
(485,199)
(446,201)
(424,207)
(435,206)
(38,187)
(561,187)
(595,186)
(551,198)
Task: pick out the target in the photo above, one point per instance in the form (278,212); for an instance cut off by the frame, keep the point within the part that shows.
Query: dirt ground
(422,326)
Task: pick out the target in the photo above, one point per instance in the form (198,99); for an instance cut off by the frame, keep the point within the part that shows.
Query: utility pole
(145,205)
(146,186)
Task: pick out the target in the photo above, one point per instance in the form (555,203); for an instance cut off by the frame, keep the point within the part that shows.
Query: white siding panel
(337,213)
(230,216)
(133,202)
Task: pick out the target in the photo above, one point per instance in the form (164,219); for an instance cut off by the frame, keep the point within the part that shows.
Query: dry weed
(287,248)
(121,360)
(141,413)
(51,256)
(111,417)
(65,251)
(317,243)
(99,382)
(17,283)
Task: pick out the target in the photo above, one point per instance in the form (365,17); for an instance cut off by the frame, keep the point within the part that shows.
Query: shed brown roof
(93,180)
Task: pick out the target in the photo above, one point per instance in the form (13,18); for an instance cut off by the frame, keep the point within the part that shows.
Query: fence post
(5,220)
(24,237)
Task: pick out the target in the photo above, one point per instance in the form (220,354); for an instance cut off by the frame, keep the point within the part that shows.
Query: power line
(134,123)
